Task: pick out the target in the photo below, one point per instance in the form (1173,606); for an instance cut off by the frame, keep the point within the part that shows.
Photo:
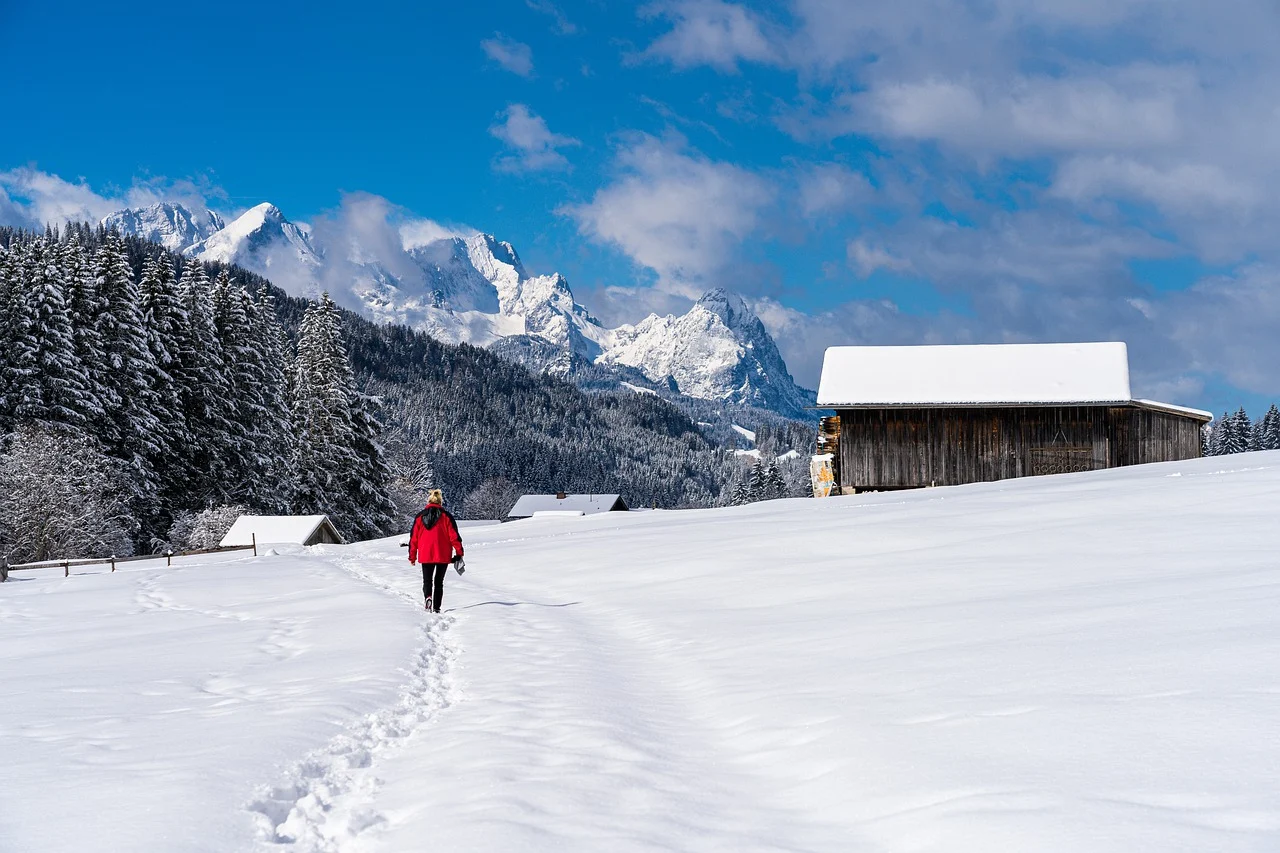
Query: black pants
(433,583)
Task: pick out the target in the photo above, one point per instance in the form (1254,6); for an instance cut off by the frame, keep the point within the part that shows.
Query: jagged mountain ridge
(475,289)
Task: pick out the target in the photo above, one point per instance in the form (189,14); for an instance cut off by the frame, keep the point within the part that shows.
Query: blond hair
(435,497)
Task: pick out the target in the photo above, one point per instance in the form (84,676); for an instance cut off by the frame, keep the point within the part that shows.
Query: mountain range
(475,289)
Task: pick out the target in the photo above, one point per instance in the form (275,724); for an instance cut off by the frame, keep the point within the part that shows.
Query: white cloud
(866,259)
(31,198)
(710,32)
(532,144)
(564,26)
(515,56)
(677,213)
(1188,188)
(827,188)
(46,198)
(416,232)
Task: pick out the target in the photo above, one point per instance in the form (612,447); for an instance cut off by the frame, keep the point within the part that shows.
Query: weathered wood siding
(909,448)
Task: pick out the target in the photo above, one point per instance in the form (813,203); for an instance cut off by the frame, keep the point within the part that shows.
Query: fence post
(4,570)
(66,569)
(254,537)
(168,558)
(113,562)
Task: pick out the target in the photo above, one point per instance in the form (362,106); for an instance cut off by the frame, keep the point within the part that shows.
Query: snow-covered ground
(1076,663)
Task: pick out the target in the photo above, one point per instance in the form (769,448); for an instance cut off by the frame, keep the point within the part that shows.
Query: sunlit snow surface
(1077,663)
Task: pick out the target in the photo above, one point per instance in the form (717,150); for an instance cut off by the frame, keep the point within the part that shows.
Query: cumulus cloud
(515,56)
(710,32)
(531,145)
(826,188)
(31,198)
(680,214)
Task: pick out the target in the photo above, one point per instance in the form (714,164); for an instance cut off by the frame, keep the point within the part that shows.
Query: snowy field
(1077,663)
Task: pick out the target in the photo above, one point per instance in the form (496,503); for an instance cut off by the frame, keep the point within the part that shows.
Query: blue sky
(943,172)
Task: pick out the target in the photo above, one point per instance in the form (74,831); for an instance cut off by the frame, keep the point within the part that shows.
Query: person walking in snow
(435,543)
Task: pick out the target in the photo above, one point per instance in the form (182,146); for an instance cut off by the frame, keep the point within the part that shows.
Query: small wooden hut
(910,417)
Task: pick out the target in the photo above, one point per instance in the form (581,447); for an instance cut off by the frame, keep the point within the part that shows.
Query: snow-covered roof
(1177,410)
(999,374)
(276,529)
(586,504)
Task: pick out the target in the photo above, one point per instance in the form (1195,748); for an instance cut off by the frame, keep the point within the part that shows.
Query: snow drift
(1081,662)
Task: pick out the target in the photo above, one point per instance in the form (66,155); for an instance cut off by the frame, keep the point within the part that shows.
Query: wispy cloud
(563,25)
(531,145)
(514,56)
(674,211)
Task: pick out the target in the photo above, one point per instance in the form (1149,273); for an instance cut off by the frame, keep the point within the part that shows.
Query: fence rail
(65,565)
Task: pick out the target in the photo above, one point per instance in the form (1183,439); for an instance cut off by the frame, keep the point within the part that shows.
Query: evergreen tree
(49,378)
(135,428)
(203,392)
(740,495)
(1269,434)
(339,459)
(775,486)
(163,317)
(1218,434)
(756,485)
(275,429)
(1239,432)
(10,288)
(86,310)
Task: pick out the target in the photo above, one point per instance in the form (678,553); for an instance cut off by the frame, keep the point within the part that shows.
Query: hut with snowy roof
(282,530)
(914,416)
(564,504)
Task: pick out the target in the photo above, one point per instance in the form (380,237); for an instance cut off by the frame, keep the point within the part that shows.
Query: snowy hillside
(475,289)
(1063,664)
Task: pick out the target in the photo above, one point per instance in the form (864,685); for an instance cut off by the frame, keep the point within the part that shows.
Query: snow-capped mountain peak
(476,289)
(718,350)
(259,238)
(171,225)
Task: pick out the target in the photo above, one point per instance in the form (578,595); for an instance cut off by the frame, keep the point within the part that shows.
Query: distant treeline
(1237,433)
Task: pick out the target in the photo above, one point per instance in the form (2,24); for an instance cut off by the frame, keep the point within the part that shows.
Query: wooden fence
(167,556)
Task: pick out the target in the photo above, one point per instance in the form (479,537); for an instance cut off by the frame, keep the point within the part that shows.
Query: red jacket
(437,544)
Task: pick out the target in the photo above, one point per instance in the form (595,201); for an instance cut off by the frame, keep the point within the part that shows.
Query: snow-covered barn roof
(983,374)
(586,504)
(277,529)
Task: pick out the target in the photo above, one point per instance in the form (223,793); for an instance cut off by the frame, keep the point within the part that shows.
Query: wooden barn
(911,417)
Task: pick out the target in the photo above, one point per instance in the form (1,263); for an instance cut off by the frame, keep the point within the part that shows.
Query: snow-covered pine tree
(1218,434)
(339,458)
(775,486)
(1239,433)
(242,371)
(756,484)
(203,391)
(49,377)
(86,309)
(741,495)
(133,430)
(10,272)
(1269,434)
(162,316)
(275,430)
